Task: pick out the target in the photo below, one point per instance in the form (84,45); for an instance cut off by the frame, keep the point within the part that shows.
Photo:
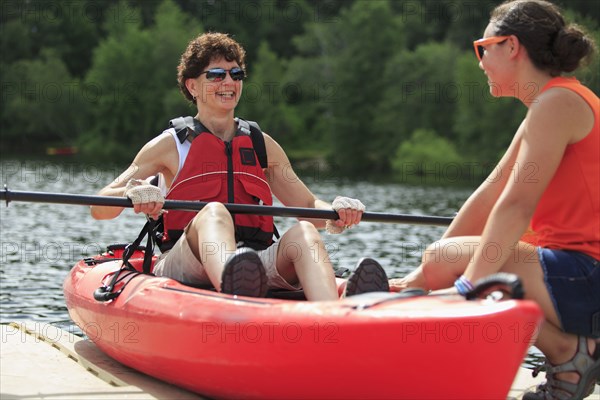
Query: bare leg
(211,236)
(446,260)
(557,345)
(442,263)
(302,257)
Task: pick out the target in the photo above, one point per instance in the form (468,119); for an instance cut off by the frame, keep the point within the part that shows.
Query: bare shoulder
(159,155)
(275,153)
(270,143)
(563,112)
(285,184)
(280,171)
(162,142)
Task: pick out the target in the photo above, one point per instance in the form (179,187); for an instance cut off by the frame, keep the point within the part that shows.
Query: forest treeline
(386,87)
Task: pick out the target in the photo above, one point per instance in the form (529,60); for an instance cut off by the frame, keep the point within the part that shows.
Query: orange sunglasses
(481,43)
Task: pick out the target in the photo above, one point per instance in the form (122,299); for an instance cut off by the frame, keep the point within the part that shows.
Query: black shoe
(368,276)
(244,275)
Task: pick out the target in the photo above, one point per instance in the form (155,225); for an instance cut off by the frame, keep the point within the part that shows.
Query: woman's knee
(214,212)
(303,231)
(442,263)
(431,253)
(301,243)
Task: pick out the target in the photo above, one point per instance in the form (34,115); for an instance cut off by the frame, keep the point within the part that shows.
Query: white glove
(346,202)
(338,204)
(140,191)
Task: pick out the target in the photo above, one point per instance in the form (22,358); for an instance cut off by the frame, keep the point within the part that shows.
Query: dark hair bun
(551,44)
(570,47)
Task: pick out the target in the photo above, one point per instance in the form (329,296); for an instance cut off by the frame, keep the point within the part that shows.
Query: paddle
(88,200)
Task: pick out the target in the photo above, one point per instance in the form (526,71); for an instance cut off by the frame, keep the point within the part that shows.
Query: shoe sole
(369,276)
(244,275)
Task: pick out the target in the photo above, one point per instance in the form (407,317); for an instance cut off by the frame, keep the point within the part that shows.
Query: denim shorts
(573,281)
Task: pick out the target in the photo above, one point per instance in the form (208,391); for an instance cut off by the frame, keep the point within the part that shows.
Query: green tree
(351,80)
(41,104)
(31,27)
(421,93)
(265,98)
(468,21)
(484,125)
(425,154)
(352,53)
(15,42)
(135,76)
(252,22)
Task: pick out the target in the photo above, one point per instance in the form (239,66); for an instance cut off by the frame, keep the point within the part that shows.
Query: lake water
(41,242)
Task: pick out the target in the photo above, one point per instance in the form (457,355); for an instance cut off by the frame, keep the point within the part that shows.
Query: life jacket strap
(187,128)
(148,230)
(258,140)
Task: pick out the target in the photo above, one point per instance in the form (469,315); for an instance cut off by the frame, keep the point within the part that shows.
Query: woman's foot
(573,379)
(415,279)
(398,284)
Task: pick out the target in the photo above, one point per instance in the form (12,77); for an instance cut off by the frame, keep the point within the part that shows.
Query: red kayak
(376,345)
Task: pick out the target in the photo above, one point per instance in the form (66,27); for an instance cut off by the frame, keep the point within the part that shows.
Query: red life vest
(226,172)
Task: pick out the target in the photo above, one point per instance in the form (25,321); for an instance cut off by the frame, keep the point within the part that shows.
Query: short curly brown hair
(201,51)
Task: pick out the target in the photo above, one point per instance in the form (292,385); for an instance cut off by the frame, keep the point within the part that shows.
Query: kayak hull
(368,346)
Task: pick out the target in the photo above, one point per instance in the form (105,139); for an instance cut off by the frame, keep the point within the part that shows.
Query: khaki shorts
(180,264)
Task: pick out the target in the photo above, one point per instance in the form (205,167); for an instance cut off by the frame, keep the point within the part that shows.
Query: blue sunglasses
(219,74)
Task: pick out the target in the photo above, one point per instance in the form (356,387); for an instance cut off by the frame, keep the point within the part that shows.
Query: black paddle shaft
(195,206)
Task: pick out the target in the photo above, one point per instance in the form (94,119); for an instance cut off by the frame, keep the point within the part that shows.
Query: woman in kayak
(217,158)
(538,214)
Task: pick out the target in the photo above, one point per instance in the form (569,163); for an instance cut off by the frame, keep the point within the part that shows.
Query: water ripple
(41,242)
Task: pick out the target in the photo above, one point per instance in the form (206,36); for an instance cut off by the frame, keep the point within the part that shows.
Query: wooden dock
(41,361)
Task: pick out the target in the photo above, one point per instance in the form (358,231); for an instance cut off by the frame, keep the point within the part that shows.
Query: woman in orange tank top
(541,219)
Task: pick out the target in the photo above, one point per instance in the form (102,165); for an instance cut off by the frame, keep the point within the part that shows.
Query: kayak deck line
(49,362)
(210,293)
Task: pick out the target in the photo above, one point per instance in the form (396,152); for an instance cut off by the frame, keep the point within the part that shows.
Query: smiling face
(216,96)
(208,51)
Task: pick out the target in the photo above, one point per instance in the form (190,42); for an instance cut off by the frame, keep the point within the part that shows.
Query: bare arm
(472,216)
(156,156)
(558,119)
(291,191)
